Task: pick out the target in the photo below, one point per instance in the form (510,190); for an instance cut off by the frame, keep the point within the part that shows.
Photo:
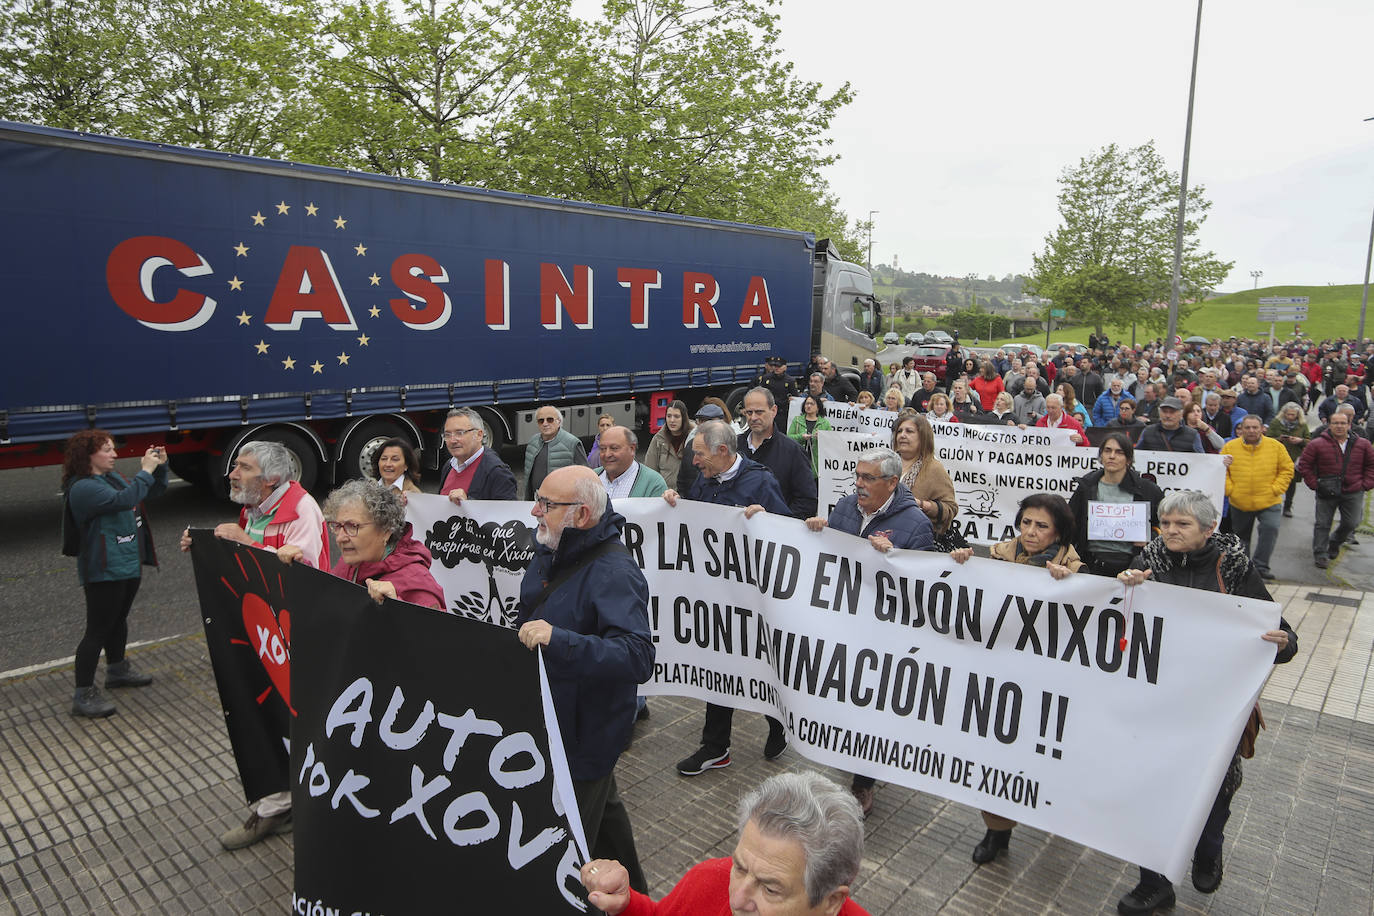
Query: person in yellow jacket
(1256,482)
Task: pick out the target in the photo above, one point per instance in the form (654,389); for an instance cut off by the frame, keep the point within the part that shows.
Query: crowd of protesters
(1272,414)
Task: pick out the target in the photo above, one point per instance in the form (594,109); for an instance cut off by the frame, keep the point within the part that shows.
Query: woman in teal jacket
(113,543)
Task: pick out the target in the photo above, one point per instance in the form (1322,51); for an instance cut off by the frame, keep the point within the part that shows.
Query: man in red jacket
(768,871)
(1339,467)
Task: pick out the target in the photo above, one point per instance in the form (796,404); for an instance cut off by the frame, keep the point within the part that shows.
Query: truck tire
(735,401)
(191,467)
(355,460)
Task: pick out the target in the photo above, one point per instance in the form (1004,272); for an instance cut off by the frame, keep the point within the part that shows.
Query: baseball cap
(1171,402)
(710,412)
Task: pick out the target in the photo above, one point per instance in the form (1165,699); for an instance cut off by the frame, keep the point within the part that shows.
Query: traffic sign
(1271,313)
(1284,300)
(1058,313)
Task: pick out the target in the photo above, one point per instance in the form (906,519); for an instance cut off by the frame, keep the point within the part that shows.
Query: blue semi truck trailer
(204,300)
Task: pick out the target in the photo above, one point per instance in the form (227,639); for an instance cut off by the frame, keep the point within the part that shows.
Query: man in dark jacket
(1190,553)
(871,380)
(586,602)
(1336,454)
(837,386)
(775,451)
(1253,400)
(881,509)
(1169,434)
(475,472)
(728,479)
(784,387)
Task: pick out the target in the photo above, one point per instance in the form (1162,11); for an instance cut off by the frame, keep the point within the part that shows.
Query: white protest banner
(849,418)
(994,686)
(992,476)
(1118,521)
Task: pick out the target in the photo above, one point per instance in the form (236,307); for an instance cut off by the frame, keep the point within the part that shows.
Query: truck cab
(845,314)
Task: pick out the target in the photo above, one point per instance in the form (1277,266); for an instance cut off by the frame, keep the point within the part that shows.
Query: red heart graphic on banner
(268,641)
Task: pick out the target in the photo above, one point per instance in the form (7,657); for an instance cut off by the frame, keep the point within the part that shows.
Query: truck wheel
(355,460)
(735,401)
(191,467)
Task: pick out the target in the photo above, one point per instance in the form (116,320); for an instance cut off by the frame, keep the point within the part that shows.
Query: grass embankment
(1334,311)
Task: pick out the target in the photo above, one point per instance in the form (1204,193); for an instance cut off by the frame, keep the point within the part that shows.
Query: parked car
(931,358)
(891,338)
(1078,348)
(915,338)
(938,337)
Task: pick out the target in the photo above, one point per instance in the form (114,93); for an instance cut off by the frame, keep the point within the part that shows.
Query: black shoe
(1268,576)
(994,841)
(776,743)
(1287,513)
(1333,552)
(1146,898)
(1206,873)
(91,703)
(1321,562)
(703,760)
(123,674)
(643,713)
(864,796)
(1352,542)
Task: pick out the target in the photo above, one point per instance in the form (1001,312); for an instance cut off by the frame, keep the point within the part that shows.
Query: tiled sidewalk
(121,815)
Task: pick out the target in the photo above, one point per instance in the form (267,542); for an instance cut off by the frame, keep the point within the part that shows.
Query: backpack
(72,533)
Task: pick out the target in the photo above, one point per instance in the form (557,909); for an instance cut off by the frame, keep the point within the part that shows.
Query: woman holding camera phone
(105,529)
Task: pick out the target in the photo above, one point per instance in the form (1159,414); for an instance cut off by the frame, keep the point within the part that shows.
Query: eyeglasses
(457,434)
(869,478)
(546,504)
(547,420)
(349,528)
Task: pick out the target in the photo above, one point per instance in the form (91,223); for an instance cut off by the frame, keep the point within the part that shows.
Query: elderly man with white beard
(586,603)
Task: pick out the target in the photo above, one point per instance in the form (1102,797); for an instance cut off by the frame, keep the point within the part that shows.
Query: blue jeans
(1243,523)
(1351,506)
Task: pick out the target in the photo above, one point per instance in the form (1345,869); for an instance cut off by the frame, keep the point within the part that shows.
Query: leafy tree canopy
(1113,250)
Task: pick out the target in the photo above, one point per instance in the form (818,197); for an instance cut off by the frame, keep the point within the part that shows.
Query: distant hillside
(1334,311)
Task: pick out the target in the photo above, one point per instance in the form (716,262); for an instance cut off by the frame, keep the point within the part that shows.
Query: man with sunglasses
(585,601)
(475,472)
(552,449)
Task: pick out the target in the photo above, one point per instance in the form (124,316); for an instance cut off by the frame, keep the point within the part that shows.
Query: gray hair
(889,462)
(1054,399)
(1190,502)
(382,505)
(630,436)
(591,492)
(473,416)
(274,459)
(772,401)
(1345,408)
(816,375)
(819,816)
(717,433)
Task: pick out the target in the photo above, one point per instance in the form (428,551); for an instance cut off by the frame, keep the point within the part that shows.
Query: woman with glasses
(376,548)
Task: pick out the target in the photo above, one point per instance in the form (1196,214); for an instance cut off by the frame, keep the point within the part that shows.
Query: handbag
(1329,487)
(1251,732)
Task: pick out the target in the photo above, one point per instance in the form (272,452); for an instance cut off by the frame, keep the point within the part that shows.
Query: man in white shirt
(620,473)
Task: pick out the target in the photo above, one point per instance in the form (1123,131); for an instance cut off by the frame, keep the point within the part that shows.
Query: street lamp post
(870,237)
(1256,274)
(1183,188)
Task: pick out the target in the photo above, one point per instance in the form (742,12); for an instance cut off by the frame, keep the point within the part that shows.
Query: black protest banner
(422,774)
(248,635)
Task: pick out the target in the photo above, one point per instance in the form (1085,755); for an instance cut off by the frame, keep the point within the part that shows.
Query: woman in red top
(375,545)
(988,384)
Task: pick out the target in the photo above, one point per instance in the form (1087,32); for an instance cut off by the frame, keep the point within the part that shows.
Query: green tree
(63,63)
(424,89)
(220,74)
(1113,250)
(685,108)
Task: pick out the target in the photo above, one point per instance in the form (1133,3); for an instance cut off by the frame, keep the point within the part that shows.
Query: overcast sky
(968,111)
